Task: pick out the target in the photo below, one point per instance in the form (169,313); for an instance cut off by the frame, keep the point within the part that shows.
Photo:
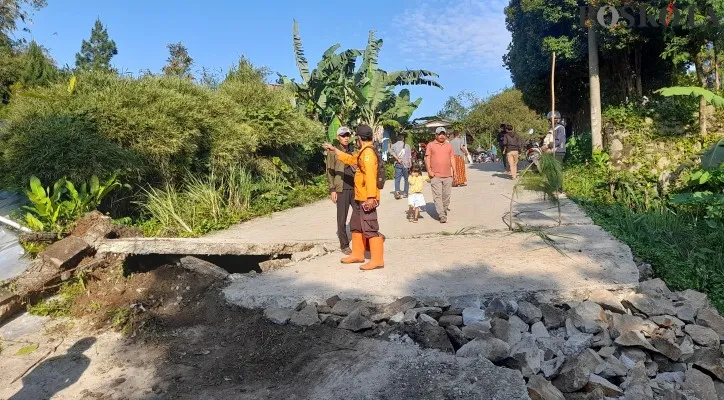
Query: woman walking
(460,150)
(512,143)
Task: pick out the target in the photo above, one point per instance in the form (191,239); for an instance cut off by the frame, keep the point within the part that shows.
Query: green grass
(60,304)
(683,250)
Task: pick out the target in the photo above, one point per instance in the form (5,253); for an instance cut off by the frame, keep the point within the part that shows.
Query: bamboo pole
(553,91)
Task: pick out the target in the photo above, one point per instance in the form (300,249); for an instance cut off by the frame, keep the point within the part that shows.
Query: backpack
(380,169)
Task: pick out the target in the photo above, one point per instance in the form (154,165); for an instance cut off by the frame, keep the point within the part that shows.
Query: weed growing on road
(60,304)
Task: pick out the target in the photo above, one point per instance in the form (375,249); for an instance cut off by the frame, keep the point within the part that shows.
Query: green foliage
(39,69)
(508,107)
(25,350)
(579,148)
(54,210)
(204,203)
(153,129)
(96,53)
(694,92)
(703,194)
(179,61)
(60,304)
(13,10)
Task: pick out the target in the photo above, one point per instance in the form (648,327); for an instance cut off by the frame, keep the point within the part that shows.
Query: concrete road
(432,259)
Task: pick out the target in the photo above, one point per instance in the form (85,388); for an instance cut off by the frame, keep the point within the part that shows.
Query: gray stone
(430,336)
(398,306)
(476,330)
(529,313)
(345,307)
(324,309)
(456,336)
(436,302)
(649,305)
(573,376)
(301,306)
(397,318)
(667,321)
(447,320)
(306,317)
(666,365)
(700,384)
(66,253)
(541,389)
(719,389)
(709,360)
(687,348)
(637,355)
(577,343)
(465,301)
(538,330)
(279,316)
(607,301)
(518,323)
(664,341)
(499,308)
(656,287)
(490,348)
(591,360)
(410,317)
(696,299)
(333,300)
(635,338)
(652,368)
(453,311)
(672,377)
(703,336)
(686,313)
(636,386)
(203,267)
(331,320)
(526,357)
(357,320)
(502,330)
(646,271)
(598,382)
(551,368)
(612,368)
(622,323)
(435,312)
(424,318)
(571,329)
(602,339)
(472,315)
(553,317)
(551,346)
(606,351)
(273,265)
(711,319)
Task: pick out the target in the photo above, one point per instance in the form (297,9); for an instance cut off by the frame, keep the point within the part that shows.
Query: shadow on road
(57,373)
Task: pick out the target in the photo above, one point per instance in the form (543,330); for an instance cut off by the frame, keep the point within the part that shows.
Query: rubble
(611,346)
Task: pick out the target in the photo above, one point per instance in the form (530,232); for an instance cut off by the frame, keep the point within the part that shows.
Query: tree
(96,54)
(13,10)
(179,62)
(39,70)
(456,108)
(594,80)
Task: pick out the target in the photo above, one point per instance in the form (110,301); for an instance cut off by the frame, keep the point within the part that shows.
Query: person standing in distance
(340,178)
(513,144)
(363,224)
(500,137)
(440,161)
(403,162)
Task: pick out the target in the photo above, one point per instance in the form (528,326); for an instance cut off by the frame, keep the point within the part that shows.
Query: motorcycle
(533,152)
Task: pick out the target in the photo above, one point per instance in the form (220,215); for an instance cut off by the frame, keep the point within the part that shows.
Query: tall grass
(204,203)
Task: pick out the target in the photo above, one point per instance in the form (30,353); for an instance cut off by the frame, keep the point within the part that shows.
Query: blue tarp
(11,253)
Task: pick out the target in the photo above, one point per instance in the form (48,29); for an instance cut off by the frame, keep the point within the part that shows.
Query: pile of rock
(649,344)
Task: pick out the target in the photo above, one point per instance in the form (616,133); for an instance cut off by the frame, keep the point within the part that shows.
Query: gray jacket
(339,175)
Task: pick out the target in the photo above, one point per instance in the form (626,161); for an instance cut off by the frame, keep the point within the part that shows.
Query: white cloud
(457,34)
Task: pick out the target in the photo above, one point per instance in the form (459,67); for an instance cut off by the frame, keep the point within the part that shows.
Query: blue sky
(462,40)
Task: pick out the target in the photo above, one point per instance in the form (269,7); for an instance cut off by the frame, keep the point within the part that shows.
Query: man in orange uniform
(363,224)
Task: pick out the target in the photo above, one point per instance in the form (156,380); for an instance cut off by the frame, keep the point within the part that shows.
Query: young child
(415,199)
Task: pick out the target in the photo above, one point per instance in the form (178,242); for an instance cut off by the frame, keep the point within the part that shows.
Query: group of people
(353,176)
(512,144)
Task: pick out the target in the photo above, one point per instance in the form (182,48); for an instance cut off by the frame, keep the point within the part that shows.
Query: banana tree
(322,93)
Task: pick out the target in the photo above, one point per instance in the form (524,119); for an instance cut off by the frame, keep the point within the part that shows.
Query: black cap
(364,132)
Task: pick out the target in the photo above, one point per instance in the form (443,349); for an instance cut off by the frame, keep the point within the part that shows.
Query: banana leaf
(692,91)
(332,131)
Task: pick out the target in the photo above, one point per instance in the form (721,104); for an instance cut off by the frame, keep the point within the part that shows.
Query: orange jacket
(365,178)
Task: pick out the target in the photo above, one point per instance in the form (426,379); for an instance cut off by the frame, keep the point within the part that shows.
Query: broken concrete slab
(198,246)
(540,389)
(203,267)
(607,300)
(271,265)
(279,316)
(489,347)
(66,253)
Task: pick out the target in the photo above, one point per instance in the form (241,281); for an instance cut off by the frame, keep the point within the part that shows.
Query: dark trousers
(345,200)
(505,158)
(400,174)
(364,222)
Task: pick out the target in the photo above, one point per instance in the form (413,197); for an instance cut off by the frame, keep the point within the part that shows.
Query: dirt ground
(184,341)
